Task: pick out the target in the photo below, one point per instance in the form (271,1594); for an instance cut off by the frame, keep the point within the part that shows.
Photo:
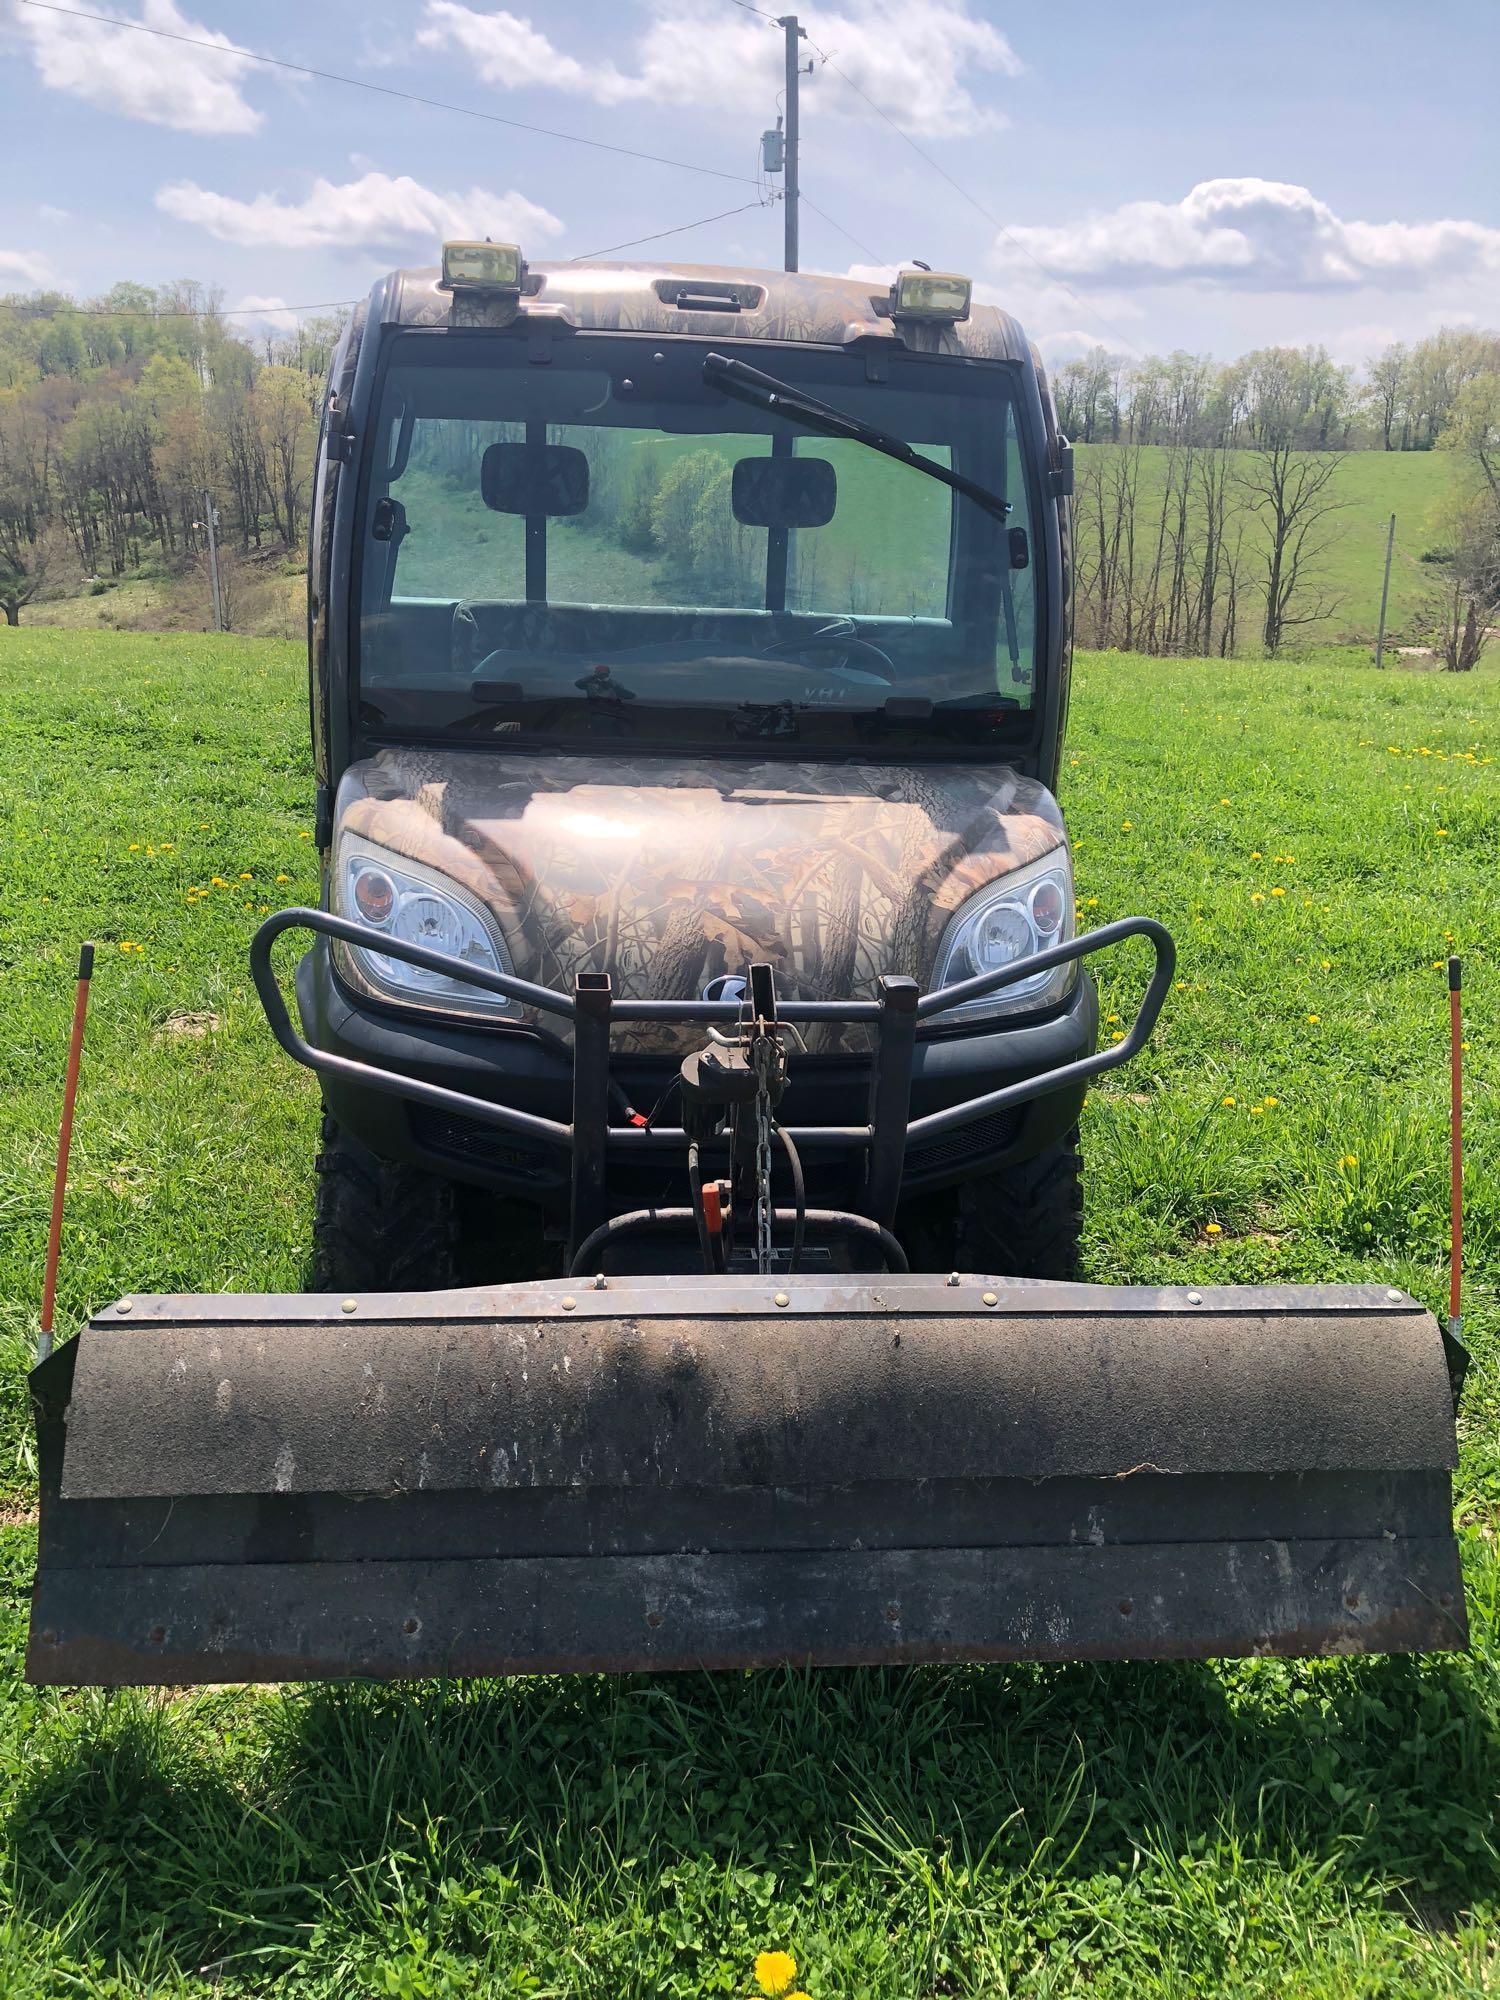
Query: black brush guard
(608,1473)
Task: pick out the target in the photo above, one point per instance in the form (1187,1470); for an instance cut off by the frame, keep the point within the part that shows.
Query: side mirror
(551,479)
(784,492)
(1060,476)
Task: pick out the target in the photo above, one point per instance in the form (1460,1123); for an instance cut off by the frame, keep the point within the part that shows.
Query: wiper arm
(782,399)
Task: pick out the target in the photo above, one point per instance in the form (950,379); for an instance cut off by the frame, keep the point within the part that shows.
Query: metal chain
(763,1056)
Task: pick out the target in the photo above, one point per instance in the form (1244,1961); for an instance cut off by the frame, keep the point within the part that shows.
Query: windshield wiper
(782,399)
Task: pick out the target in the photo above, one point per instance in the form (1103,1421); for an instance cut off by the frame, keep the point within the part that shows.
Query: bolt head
(953,1278)
(1394,1296)
(783,1299)
(1195,1298)
(125,1305)
(349,1306)
(569,1303)
(992,1298)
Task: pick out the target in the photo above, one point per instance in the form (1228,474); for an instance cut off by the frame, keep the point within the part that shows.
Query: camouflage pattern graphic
(670,873)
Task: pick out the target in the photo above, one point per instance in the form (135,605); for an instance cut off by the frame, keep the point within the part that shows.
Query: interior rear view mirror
(784,492)
(533,479)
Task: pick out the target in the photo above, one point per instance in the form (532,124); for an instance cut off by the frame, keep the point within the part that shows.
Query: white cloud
(915,60)
(26,270)
(1253,235)
(143,76)
(257,310)
(376,212)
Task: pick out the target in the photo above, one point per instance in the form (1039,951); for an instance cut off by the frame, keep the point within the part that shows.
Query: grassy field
(1256,1829)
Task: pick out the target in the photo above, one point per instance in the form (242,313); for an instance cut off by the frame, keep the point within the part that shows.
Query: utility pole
(1385,592)
(789,27)
(211,520)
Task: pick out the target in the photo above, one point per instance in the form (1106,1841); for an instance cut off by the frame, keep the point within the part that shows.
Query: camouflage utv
(696,983)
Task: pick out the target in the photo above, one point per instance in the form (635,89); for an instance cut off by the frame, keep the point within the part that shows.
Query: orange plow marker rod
(64,1147)
(1456,1144)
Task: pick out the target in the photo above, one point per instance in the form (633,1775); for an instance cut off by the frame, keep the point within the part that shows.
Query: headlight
(420,906)
(1023,912)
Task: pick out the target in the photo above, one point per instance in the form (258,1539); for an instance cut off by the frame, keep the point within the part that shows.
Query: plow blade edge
(673,1473)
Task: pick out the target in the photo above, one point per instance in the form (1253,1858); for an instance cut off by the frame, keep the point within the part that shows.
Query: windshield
(601,540)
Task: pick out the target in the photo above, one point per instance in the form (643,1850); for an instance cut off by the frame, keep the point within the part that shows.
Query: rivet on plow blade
(1074,1472)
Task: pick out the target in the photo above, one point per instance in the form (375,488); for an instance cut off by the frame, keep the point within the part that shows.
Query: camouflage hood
(671,873)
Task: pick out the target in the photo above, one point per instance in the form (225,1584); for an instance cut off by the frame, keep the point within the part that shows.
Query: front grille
(965,1144)
(472,1143)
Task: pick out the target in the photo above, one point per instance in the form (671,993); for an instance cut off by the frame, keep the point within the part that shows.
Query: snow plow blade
(685,1472)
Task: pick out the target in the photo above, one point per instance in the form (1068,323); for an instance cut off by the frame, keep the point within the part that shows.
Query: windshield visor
(605,543)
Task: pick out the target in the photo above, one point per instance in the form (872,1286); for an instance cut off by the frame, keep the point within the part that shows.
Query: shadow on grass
(228,1823)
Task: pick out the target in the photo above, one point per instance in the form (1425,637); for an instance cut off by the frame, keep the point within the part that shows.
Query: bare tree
(1292,492)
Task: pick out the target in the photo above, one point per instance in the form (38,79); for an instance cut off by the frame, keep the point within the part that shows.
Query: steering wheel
(879,663)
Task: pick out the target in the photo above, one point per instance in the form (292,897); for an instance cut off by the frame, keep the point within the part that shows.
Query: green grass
(1325,1829)
(1371,486)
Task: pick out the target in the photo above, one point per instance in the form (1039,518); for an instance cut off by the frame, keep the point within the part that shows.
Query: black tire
(380,1226)
(1025,1220)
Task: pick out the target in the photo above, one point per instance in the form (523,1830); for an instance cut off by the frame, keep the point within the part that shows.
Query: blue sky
(1204,176)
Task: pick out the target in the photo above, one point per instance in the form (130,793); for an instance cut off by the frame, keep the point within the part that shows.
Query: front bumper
(517,1067)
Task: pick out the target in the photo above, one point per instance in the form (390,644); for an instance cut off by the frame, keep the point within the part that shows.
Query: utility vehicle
(697,955)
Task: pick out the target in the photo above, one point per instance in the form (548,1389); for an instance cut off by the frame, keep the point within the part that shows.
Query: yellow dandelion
(1442,833)
(1181,985)
(1348,1159)
(1223,802)
(218,881)
(1314,1019)
(1212,1229)
(1257,1110)
(1270,1102)
(246,876)
(1278,892)
(1117,1036)
(167,846)
(150,850)
(1125,826)
(283,878)
(135,847)
(304,836)
(1229,1100)
(1257,897)
(1110,1020)
(774,1973)
(1255,854)
(203,826)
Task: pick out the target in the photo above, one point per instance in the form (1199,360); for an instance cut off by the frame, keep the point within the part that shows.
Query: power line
(332,305)
(973,201)
(387,90)
(170,312)
(873,255)
(679,230)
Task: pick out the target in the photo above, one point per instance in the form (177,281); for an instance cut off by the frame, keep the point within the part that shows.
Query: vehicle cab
(667,619)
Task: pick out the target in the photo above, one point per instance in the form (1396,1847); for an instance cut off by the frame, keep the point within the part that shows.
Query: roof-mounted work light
(931,295)
(482,267)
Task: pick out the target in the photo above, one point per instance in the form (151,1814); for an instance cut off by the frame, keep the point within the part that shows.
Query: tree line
(1205,514)
(121,421)
(1208,505)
